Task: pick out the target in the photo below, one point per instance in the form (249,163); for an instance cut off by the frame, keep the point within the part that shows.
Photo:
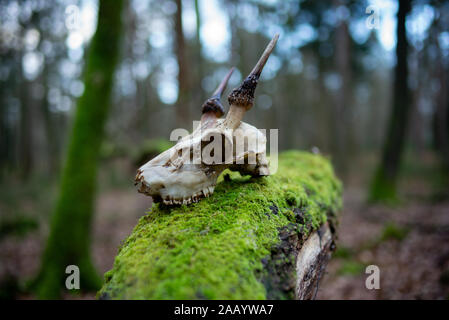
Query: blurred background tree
(70,226)
(384,185)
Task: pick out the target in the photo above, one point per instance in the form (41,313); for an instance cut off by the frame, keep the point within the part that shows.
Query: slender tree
(342,138)
(199,92)
(182,104)
(441,114)
(69,239)
(383,188)
(26,142)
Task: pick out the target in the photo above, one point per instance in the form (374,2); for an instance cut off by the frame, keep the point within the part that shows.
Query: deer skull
(189,170)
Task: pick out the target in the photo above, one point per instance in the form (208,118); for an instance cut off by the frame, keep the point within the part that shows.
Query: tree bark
(69,239)
(312,261)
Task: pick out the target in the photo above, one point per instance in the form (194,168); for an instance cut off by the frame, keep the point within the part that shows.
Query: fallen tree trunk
(264,238)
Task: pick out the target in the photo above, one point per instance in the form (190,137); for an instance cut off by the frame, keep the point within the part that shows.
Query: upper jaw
(189,198)
(175,194)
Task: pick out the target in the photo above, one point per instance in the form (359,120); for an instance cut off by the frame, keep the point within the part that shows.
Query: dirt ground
(409,244)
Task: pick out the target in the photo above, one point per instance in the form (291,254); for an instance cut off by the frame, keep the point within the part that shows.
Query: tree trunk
(69,239)
(384,184)
(341,135)
(267,238)
(199,60)
(182,105)
(441,115)
(26,128)
(441,128)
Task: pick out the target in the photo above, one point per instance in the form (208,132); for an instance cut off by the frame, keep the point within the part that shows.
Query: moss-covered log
(253,238)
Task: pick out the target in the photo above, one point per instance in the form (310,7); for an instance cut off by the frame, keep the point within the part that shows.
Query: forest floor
(409,243)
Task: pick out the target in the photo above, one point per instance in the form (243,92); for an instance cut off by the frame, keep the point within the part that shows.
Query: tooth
(211,189)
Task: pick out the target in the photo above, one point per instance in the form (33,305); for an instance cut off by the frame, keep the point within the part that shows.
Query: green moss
(17,226)
(392,231)
(343,253)
(351,267)
(214,249)
(383,190)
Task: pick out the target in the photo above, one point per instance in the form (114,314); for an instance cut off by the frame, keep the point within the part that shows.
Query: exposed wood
(311,262)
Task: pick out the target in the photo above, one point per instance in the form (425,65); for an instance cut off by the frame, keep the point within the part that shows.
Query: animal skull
(189,170)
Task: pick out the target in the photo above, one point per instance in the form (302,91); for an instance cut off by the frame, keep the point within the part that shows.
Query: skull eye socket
(157,186)
(182,156)
(216,148)
(191,154)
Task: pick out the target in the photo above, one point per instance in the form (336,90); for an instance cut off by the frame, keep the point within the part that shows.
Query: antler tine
(257,70)
(241,99)
(243,96)
(213,107)
(222,86)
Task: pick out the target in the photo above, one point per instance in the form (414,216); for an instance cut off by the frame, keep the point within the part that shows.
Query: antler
(212,108)
(241,99)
